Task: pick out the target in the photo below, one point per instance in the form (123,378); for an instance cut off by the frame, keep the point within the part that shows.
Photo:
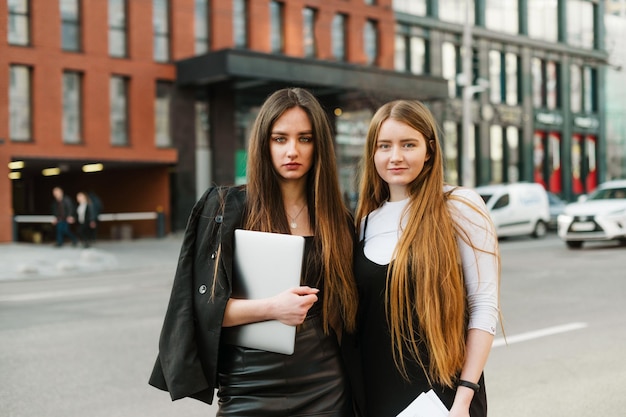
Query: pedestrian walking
(292,189)
(63,212)
(427,268)
(86,218)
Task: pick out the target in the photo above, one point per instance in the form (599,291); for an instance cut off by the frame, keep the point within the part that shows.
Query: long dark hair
(329,217)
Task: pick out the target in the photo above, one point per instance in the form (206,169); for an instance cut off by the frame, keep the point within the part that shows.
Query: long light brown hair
(425,292)
(329,217)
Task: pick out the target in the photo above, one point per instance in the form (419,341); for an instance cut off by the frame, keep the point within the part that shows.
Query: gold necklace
(293,223)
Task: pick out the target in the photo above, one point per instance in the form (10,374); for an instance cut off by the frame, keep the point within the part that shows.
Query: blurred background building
(147,103)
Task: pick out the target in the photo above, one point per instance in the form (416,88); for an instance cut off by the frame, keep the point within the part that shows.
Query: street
(84,345)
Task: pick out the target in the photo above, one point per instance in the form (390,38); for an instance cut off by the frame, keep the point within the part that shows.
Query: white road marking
(77,292)
(523,337)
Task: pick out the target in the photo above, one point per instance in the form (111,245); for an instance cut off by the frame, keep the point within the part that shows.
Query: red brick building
(161,92)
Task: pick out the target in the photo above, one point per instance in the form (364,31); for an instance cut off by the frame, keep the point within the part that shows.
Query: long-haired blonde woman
(292,189)
(427,271)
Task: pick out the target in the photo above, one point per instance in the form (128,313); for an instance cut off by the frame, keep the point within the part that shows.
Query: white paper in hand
(427,404)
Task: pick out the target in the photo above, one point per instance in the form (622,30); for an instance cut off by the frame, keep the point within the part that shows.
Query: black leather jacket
(186,365)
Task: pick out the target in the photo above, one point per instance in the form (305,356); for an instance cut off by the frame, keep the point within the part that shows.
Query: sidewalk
(28,260)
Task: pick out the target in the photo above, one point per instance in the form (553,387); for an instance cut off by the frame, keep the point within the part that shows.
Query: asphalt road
(85,345)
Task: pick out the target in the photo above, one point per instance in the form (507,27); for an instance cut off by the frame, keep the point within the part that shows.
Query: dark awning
(254,69)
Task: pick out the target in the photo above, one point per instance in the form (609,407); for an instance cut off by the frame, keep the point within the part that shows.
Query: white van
(517,209)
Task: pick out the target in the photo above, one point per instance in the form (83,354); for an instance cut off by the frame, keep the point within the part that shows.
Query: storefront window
(450,152)
(537,74)
(552,85)
(589,91)
(495,154)
(513,155)
(575,89)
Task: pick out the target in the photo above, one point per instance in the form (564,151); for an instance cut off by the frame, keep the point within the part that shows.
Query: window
(495,76)
(576,88)
(72,107)
(276,27)
(70,25)
(513,154)
(552,85)
(512,79)
(450,151)
(370,42)
(454,10)
(580,28)
(201,26)
(161,27)
(19,22)
(119,110)
(416,7)
(411,54)
(503,85)
(20,103)
(542,20)
(450,66)
(537,74)
(546,82)
(590,103)
(162,105)
(496,154)
(502,16)
(308,32)
(240,23)
(339,37)
(117,28)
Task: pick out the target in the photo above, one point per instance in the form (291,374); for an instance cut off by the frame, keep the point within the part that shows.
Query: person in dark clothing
(86,218)
(292,189)
(63,212)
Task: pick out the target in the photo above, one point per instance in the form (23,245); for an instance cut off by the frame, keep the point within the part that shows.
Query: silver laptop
(265,264)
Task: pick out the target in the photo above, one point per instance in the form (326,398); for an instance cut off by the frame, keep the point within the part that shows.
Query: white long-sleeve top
(480,269)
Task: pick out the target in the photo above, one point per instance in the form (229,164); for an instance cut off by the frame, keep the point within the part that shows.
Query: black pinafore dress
(387,393)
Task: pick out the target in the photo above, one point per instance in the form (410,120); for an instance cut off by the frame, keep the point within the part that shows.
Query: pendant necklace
(293,223)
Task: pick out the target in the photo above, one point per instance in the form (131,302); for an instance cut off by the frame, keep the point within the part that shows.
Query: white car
(518,209)
(599,217)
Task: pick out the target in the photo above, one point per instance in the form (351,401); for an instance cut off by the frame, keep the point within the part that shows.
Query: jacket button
(213,255)
(219,218)
(202,289)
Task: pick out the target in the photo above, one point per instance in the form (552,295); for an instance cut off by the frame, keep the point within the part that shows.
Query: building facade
(159,96)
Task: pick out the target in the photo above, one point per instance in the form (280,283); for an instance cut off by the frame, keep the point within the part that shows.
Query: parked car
(517,209)
(557,206)
(601,216)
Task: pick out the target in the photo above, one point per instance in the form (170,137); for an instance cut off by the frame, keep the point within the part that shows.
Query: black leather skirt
(310,382)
